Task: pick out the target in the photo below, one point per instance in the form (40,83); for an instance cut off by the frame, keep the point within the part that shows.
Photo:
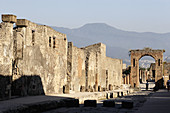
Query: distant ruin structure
(136,55)
(36,59)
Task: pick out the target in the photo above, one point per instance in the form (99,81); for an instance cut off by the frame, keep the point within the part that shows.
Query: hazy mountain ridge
(118,42)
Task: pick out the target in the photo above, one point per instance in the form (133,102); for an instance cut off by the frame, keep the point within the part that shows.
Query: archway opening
(146,69)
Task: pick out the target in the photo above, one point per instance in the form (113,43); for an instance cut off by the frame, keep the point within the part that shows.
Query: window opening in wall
(159,62)
(133,62)
(33,37)
(49,41)
(53,42)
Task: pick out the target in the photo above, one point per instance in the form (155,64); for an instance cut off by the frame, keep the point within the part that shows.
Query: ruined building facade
(37,59)
(91,70)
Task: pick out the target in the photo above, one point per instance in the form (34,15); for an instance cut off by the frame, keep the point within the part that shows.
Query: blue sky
(130,15)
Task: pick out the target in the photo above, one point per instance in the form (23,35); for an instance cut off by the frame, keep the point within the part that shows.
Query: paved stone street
(143,102)
(45,103)
(159,102)
(138,98)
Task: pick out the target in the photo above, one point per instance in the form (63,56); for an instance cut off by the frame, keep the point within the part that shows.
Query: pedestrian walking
(168,85)
(147,84)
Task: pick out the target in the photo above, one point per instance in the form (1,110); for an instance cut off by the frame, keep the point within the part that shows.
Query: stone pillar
(130,80)
(146,74)
(140,75)
(6,42)
(127,79)
(144,77)
(137,78)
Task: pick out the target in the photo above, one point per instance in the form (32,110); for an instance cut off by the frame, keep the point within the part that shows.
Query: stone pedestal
(127,104)
(90,103)
(109,103)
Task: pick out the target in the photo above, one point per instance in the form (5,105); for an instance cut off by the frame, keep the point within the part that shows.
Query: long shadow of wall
(159,84)
(27,85)
(23,86)
(5,84)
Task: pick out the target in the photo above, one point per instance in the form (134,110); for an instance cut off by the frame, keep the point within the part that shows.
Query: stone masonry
(136,55)
(91,70)
(36,58)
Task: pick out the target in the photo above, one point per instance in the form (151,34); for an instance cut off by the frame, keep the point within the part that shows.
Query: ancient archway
(136,55)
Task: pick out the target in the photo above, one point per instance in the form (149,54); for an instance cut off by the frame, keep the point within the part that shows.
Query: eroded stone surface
(39,60)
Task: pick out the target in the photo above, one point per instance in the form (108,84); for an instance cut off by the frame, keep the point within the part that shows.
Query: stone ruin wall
(114,68)
(89,66)
(35,64)
(94,67)
(166,72)
(6,48)
(38,57)
(77,71)
(25,51)
(6,51)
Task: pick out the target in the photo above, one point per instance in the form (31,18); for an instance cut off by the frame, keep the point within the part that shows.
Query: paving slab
(18,102)
(159,102)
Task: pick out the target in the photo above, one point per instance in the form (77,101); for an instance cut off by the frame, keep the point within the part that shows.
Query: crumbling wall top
(94,46)
(9,18)
(22,22)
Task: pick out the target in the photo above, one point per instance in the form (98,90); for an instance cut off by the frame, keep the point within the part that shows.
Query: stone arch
(136,55)
(151,55)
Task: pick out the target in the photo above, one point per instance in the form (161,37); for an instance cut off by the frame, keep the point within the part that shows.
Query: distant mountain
(118,42)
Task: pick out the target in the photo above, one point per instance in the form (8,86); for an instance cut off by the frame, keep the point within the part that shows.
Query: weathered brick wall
(95,56)
(91,70)
(114,68)
(78,69)
(37,56)
(6,48)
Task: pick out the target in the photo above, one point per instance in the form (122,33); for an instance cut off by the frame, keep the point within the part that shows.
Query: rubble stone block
(22,22)
(109,103)
(71,102)
(90,103)
(9,18)
(127,104)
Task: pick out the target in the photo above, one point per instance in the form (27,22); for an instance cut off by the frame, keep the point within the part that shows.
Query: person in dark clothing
(168,85)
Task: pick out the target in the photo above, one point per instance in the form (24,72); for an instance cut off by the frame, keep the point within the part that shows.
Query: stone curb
(43,106)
